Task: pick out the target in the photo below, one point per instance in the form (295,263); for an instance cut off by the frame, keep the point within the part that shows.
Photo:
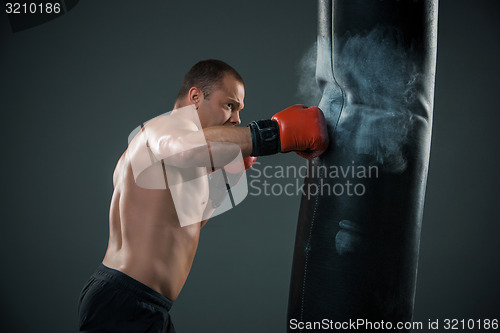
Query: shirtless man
(150,253)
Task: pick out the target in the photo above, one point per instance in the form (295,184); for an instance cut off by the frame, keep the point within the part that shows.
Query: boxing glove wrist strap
(265,137)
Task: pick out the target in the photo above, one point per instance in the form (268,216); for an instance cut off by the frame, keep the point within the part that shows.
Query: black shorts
(112,301)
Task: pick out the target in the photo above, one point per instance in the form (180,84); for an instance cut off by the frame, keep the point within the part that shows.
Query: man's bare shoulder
(174,139)
(181,120)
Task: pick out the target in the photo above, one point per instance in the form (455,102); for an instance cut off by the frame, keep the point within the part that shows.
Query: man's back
(146,240)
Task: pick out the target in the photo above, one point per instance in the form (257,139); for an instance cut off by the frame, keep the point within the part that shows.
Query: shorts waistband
(131,284)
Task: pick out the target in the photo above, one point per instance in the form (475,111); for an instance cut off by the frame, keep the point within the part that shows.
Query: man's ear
(195,96)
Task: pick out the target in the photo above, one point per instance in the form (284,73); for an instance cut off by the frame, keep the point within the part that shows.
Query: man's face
(223,105)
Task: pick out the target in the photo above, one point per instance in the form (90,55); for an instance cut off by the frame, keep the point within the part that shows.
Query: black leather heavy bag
(358,232)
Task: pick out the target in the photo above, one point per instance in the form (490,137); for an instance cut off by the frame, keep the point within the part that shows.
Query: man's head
(216,89)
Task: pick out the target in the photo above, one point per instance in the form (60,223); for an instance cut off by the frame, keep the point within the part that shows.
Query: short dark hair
(207,75)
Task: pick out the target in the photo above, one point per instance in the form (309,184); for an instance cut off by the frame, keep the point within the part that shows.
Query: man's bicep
(178,142)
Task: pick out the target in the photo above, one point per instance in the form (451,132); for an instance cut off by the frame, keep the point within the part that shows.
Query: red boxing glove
(303,130)
(249,161)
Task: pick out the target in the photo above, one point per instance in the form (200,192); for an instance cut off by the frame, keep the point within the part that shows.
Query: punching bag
(358,232)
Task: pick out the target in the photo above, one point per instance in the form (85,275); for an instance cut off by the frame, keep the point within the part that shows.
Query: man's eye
(231,106)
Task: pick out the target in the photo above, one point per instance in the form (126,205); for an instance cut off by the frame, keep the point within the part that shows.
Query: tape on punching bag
(358,232)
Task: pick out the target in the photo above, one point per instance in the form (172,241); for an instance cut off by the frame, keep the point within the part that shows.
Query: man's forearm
(213,147)
(240,136)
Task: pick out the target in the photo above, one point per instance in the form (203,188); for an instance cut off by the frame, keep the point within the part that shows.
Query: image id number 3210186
(470,324)
(32,8)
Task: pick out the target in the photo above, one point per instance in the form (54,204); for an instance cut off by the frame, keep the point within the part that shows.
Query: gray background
(71,90)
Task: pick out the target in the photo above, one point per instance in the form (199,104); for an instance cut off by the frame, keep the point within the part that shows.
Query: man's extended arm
(296,128)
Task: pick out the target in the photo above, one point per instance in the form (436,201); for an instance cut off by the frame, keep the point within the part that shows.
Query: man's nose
(235,118)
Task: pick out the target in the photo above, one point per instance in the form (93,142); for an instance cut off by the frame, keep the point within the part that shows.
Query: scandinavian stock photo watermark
(333,180)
